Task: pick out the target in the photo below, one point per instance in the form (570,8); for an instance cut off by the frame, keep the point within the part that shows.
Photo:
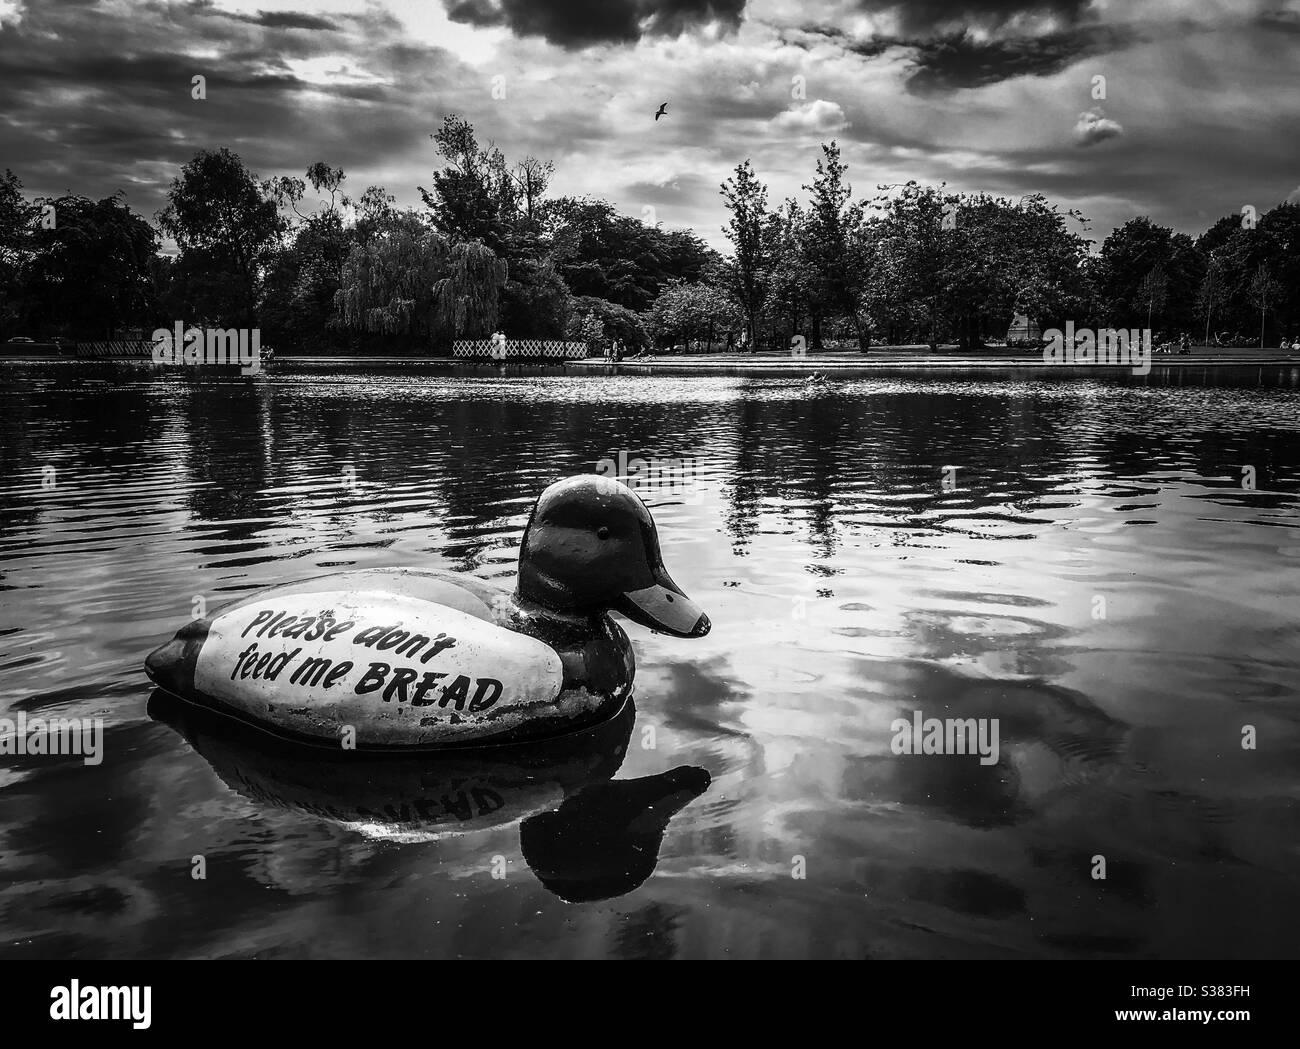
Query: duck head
(590,547)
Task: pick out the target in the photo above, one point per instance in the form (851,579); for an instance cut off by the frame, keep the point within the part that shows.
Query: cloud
(1094,127)
(819,116)
(97,98)
(575,24)
(287,20)
(1280,21)
(940,17)
(961,61)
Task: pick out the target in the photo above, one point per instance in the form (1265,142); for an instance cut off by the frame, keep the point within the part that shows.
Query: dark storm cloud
(584,23)
(286,20)
(960,61)
(1280,21)
(96,97)
(956,60)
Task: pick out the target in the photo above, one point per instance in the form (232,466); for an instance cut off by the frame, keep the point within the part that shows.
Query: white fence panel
(115,348)
(481,349)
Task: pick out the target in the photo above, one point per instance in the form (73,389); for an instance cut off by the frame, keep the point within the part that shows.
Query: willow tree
(411,281)
(468,298)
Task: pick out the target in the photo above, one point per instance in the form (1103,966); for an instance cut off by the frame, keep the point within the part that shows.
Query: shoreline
(1243,367)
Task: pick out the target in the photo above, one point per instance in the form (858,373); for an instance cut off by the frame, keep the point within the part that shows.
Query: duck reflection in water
(585,835)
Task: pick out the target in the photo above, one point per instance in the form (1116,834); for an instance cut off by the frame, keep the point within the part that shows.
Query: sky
(1200,115)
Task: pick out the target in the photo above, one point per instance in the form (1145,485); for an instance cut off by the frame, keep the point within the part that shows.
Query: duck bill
(662,606)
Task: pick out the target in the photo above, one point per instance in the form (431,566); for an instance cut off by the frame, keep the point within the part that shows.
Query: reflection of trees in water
(818,450)
(821,449)
(649,933)
(84,421)
(228,453)
(471,458)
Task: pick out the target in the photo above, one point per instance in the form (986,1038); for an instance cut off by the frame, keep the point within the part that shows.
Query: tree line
(489,249)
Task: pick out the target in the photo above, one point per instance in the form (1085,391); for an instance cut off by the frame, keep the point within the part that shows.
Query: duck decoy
(382,659)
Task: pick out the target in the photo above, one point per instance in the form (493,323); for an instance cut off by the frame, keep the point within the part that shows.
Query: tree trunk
(864,337)
(816,342)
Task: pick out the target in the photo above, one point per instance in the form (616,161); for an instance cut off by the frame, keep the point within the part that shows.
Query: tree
(410,281)
(17,220)
(374,212)
(1210,293)
(535,302)
(469,295)
(693,312)
(605,255)
(532,177)
(1153,290)
(1264,292)
(592,330)
(1129,255)
(1280,229)
(1274,243)
(304,275)
(748,274)
(618,321)
(216,207)
(325,179)
(90,271)
(1004,257)
(474,196)
(834,245)
(911,246)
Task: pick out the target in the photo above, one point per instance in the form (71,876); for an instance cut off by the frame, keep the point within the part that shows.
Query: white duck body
(373,659)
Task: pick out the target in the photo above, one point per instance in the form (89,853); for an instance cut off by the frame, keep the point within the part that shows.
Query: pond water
(1096,574)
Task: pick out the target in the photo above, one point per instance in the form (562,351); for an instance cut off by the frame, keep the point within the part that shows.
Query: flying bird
(663,108)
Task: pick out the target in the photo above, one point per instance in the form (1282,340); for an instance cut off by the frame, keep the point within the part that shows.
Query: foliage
(491,251)
(602,254)
(749,273)
(410,281)
(217,208)
(90,272)
(618,321)
(692,312)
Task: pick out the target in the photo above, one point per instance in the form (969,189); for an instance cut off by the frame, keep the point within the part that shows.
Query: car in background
(20,338)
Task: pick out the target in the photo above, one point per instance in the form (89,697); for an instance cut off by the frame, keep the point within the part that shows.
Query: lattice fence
(116,348)
(481,349)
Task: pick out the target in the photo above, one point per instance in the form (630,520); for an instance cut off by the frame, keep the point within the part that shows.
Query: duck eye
(602,532)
